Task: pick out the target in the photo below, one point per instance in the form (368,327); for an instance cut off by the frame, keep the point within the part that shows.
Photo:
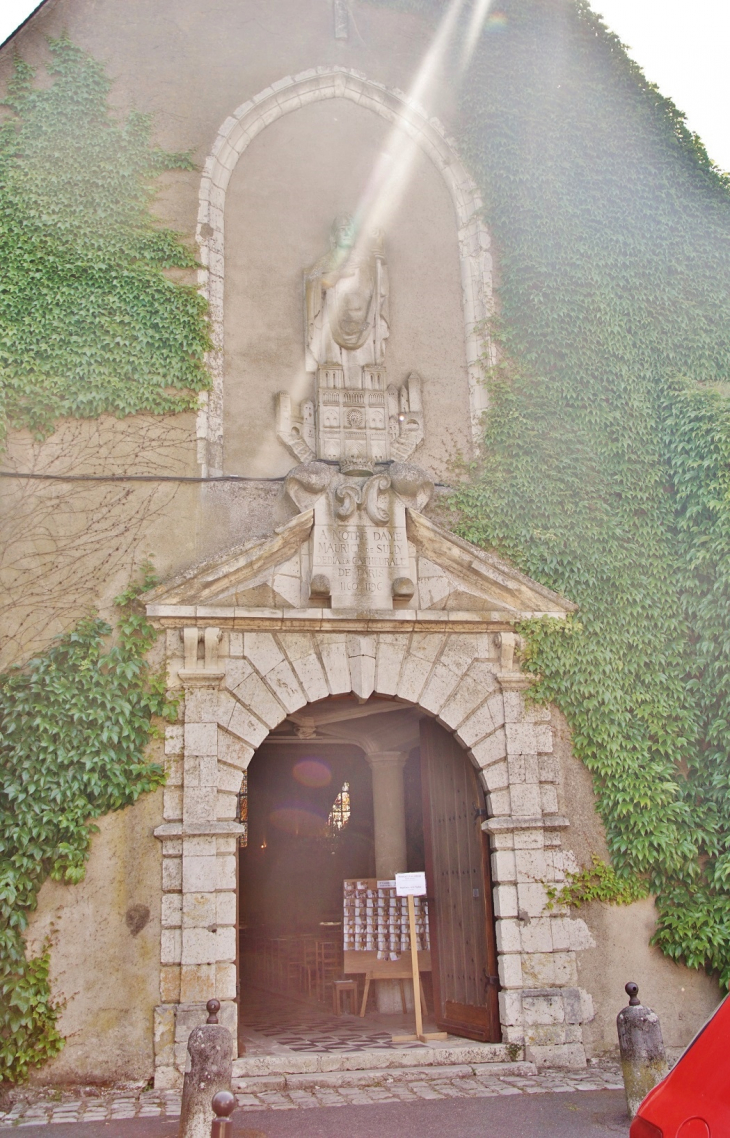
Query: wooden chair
(309,965)
(302,965)
(342,988)
(278,957)
(329,967)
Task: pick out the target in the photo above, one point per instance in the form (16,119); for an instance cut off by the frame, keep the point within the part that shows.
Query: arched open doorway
(248,673)
(341,796)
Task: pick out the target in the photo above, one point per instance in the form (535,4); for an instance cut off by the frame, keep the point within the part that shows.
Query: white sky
(682,45)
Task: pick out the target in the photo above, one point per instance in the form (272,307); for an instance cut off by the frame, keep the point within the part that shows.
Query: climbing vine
(89,320)
(597,882)
(74,724)
(606,471)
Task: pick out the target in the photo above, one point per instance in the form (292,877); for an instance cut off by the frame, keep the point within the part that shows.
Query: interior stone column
(389,813)
(391,854)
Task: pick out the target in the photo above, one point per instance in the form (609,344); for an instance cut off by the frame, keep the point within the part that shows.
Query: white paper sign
(410,884)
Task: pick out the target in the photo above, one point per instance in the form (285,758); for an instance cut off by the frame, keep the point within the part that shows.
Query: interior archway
(336,806)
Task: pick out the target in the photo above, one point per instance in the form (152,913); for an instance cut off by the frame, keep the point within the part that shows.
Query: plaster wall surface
(69,547)
(682,997)
(76,546)
(192,64)
(104,966)
(291,182)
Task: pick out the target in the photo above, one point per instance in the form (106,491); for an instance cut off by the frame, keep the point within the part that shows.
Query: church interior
(309,811)
(334,806)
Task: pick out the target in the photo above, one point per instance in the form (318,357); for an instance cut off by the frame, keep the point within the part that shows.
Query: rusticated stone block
(568,1055)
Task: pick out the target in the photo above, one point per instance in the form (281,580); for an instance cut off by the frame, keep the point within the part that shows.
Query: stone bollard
(210,1048)
(643,1060)
(224,1104)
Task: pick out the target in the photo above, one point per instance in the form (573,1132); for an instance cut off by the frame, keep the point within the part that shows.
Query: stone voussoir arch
(235,135)
(453,677)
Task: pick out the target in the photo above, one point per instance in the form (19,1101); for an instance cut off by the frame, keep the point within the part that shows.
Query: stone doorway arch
(242,676)
(417,804)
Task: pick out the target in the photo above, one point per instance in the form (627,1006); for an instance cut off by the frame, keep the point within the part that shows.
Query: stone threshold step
(305,1063)
(256,1084)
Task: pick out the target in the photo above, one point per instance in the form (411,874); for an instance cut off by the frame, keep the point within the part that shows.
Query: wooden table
(367,963)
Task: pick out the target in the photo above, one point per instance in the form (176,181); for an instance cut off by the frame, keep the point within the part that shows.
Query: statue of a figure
(346,297)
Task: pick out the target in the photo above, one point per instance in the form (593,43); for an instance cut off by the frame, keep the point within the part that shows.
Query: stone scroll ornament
(359,555)
(355,416)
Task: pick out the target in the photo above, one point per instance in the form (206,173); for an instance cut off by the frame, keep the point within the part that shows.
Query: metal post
(224,1104)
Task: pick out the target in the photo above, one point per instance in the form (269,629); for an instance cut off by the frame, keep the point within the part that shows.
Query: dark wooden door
(463,945)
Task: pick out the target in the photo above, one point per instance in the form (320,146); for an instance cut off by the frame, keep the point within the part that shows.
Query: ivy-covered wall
(606,448)
(89,322)
(74,726)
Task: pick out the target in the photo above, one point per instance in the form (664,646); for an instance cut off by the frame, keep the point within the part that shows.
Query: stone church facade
(348,272)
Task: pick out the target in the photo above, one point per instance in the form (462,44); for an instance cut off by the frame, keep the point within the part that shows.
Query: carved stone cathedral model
(356,422)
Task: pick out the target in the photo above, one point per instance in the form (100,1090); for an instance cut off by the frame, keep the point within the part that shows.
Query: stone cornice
(332,620)
(170,830)
(200,679)
(510,822)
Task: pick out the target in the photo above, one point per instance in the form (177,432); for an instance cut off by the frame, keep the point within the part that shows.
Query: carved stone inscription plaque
(361,559)
(361,562)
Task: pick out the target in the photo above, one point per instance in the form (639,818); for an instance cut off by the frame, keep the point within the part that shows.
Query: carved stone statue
(346,300)
(356,417)
(359,557)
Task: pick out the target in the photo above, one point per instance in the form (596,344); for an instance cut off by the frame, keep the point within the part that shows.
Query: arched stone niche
(274,213)
(241,677)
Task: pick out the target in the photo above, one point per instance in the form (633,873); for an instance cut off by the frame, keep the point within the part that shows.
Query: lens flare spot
(312,772)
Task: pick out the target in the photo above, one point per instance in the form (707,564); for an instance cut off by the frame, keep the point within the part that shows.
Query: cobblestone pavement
(90,1104)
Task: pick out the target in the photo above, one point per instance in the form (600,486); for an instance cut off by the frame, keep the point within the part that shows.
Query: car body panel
(693,1100)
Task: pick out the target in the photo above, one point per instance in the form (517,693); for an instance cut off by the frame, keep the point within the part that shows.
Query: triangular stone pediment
(274,574)
(455,575)
(268,568)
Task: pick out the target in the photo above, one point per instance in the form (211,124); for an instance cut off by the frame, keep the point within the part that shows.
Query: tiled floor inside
(277,1024)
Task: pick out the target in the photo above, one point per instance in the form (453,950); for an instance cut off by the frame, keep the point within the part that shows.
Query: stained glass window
(340,813)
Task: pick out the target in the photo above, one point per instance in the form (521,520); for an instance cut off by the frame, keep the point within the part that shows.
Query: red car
(693,1101)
